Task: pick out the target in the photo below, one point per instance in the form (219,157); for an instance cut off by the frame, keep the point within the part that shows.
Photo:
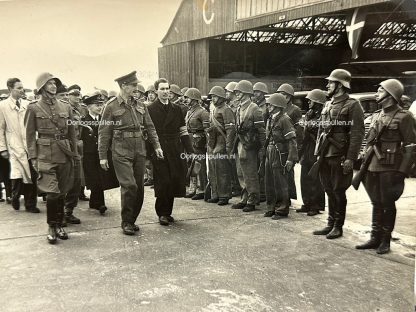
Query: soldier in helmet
(392,137)
(150,94)
(249,145)
(281,155)
(197,120)
(52,148)
(230,95)
(139,94)
(123,121)
(174,97)
(313,194)
(260,90)
(221,135)
(339,143)
(295,115)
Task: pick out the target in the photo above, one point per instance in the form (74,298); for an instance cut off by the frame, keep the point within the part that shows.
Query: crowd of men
(245,142)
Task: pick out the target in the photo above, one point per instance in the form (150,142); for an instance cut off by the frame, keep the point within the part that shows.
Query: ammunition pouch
(389,152)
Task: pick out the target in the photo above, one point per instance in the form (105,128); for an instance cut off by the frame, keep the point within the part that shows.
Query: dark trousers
(222,176)
(384,189)
(313,194)
(96,198)
(55,208)
(164,205)
(130,174)
(72,197)
(335,184)
(29,191)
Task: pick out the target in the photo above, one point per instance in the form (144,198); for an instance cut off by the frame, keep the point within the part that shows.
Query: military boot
(389,219)
(222,202)
(52,235)
(376,223)
(335,233)
(61,233)
(71,219)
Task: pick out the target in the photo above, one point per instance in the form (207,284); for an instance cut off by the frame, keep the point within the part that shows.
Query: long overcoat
(169,174)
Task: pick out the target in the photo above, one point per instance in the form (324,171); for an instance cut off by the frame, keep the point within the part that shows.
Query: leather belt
(127,134)
(53,136)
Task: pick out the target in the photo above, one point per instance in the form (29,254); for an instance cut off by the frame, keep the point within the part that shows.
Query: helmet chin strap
(382,99)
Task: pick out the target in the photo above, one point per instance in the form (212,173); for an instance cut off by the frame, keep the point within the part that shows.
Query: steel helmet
(393,87)
(184,89)
(260,86)
(151,88)
(230,86)
(141,88)
(193,94)
(342,76)
(218,91)
(317,96)
(278,100)
(286,88)
(44,78)
(175,89)
(244,86)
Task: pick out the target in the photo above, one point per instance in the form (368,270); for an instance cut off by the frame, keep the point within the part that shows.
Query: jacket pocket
(44,149)
(43,122)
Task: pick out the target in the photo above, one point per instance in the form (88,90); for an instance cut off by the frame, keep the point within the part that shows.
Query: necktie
(18,104)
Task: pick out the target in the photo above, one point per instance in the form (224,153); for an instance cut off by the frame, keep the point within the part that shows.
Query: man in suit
(168,173)
(13,146)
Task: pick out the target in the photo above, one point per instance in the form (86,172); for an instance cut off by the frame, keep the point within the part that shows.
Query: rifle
(327,140)
(262,165)
(372,150)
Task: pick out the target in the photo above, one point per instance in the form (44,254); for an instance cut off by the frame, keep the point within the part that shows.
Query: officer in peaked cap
(96,179)
(52,148)
(62,93)
(124,121)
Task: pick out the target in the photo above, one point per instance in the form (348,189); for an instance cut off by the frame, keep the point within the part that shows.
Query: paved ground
(212,259)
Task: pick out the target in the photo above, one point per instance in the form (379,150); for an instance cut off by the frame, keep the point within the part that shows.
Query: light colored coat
(13,138)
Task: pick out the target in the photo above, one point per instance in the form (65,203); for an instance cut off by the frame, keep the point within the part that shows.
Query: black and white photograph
(207,155)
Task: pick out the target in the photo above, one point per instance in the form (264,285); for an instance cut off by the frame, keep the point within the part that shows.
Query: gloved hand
(347,165)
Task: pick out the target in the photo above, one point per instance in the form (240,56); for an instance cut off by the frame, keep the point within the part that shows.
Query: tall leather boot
(376,225)
(339,214)
(331,218)
(389,219)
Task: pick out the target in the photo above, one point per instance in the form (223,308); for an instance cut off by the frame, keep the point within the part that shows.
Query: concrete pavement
(212,259)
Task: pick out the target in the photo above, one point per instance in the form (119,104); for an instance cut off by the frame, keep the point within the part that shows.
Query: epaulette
(64,102)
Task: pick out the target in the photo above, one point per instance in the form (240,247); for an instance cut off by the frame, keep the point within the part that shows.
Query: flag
(354,26)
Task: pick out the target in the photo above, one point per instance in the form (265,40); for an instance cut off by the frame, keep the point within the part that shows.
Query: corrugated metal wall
(186,64)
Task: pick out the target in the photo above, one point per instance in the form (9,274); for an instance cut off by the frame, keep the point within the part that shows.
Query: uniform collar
(341,98)
(262,103)
(245,104)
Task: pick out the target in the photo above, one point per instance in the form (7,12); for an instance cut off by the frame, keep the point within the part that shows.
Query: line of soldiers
(244,143)
(260,140)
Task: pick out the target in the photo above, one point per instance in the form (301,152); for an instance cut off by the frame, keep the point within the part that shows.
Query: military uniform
(196,120)
(71,198)
(54,148)
(121,129)
(221,135)
(251,133)
(265,113)
(349,134)
(281,148)
(384,180)
(295,115)
(313,194)
(235,183)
